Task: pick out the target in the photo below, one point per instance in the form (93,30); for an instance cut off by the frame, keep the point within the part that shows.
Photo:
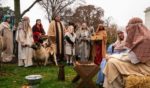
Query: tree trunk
(17,19)
(17,11)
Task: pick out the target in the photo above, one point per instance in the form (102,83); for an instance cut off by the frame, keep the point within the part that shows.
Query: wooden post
(61,73)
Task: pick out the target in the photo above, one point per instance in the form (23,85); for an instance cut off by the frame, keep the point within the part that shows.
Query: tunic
(70,43)
(7,36)
(25,54)
(84,44)
(56,30)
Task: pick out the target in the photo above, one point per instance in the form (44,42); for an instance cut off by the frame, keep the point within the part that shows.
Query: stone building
(147,17)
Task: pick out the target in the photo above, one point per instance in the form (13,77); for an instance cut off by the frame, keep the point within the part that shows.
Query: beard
(121,38)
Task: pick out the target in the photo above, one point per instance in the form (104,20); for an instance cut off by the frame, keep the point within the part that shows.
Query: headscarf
(100,27)
(26,25)
(138,39)
(118,38)
(6,17)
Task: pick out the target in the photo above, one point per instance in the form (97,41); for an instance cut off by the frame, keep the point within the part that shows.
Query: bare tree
(19,15)
(0,2)
(108,21)
(111,33)
(89,14)
(54,7)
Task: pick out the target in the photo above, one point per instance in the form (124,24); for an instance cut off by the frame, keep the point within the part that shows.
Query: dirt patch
(4,74)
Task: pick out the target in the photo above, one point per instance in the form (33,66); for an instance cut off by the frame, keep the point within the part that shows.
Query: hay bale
(137,82)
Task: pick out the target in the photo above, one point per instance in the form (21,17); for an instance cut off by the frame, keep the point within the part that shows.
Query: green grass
(15,76)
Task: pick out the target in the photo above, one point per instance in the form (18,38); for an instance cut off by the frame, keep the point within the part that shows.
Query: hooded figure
(24,37)
(84,42)
(100,38)
(7,36)
(119,45)
(38,31)
(136,62)
(138,39)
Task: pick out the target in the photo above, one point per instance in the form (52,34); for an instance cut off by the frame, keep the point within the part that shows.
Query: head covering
(138,39)
(26,26)
(118,37)
(100,27)
(38,20)
(25,18)
(56,15)
(119,31)
(6,17)
(25,22)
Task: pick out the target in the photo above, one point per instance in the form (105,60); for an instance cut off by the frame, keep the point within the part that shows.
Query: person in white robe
(25,40)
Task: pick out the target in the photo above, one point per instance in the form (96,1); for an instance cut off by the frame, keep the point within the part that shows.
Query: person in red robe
(38,31)
(100,40)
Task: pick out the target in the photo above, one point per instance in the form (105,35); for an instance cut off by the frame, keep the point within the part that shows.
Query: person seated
(115,48)
(38,31)
(135,62)
(119,45)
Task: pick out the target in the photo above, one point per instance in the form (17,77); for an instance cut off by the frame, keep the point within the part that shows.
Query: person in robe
(119,45)
(100,40)
(135,62)
(56,32)
(99,47)
(84,43)
(7,35)
(91,29)
(38,31)
(24,37)
(77,42)
(70,38)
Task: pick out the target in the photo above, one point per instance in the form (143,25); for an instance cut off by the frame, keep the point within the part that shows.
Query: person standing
(25,40)
(70,38)
(56,33)
(100,44)
(38,31)
(100,40)
(7,36)
(77,32)
(84,43)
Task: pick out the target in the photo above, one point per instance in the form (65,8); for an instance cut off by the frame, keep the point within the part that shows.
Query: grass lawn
(14,76)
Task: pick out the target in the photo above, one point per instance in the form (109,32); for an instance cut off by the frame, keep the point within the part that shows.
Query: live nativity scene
(74,44)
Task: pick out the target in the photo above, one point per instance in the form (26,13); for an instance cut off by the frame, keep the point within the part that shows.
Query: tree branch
(25,11)
(60,9)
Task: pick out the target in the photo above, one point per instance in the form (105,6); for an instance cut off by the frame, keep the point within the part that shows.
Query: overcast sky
(120,10)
